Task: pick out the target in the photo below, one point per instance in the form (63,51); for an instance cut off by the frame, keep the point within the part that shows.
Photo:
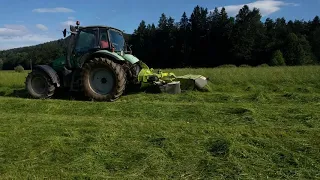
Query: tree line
(204,39)
(210,39)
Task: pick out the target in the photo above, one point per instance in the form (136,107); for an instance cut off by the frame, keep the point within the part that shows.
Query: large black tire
(134,84)
(135,71)
(109,85)
(39,85)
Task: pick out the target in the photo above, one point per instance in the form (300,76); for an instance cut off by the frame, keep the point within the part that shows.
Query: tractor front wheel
(103,80)
(39,85)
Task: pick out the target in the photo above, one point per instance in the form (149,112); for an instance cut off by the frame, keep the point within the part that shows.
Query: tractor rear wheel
(39,85)
(103,80)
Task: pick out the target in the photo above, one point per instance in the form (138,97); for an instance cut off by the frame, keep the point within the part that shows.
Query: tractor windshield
(117,40)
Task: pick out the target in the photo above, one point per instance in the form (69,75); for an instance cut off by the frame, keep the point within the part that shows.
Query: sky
(25,23)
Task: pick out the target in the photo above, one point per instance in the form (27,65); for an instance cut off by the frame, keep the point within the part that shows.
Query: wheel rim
(101,81)
(39,84)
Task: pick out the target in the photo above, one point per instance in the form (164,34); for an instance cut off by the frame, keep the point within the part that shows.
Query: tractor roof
(99,26)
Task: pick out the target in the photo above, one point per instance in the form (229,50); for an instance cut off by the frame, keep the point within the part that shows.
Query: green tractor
(100,64)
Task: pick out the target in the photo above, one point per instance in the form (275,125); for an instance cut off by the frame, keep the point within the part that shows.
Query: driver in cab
(104,42)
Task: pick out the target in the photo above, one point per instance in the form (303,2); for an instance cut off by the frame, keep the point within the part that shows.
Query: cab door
(87,41)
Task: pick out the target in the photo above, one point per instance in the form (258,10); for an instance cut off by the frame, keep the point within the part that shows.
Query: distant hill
(42,53)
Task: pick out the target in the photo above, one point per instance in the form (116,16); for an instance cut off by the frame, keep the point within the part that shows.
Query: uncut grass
(253,125)
(12,79)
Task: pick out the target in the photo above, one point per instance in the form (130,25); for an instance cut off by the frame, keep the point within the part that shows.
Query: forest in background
(203,39)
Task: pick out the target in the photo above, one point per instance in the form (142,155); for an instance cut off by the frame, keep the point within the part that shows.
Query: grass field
(257,123)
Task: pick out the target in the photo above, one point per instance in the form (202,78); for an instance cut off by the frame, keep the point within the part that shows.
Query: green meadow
(255,123)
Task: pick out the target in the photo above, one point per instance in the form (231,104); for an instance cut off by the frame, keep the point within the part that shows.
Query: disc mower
(99,63)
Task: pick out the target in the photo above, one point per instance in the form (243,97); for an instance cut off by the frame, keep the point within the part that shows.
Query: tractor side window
(86,41)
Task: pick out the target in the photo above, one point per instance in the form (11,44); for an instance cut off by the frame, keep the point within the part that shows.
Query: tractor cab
(93,37)
(89,39)
(98,37)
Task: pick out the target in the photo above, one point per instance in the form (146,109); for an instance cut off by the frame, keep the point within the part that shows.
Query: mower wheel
(39,85)
(103,79)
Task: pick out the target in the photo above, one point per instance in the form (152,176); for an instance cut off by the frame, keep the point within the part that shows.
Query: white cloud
(42,27)
(266,7)
(25,40)
(53,10)
(16,26)
(13,36)
(13,30)
(29,38)
(9,32)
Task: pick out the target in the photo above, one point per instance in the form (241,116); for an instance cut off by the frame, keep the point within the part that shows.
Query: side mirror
(72,28)
(64,33)
(128,47)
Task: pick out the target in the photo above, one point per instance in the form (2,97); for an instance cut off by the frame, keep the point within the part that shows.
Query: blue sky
(24,23)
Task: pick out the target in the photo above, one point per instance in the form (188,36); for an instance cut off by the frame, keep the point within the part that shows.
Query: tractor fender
(132,59)
(101,53)
(114,55)
(50,72)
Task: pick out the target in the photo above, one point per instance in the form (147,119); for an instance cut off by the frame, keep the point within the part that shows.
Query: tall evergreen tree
(314,37)
(139,40)
(246,35)
(315,43)
(183,40)
(199,30)
(163,22)
(298,50)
